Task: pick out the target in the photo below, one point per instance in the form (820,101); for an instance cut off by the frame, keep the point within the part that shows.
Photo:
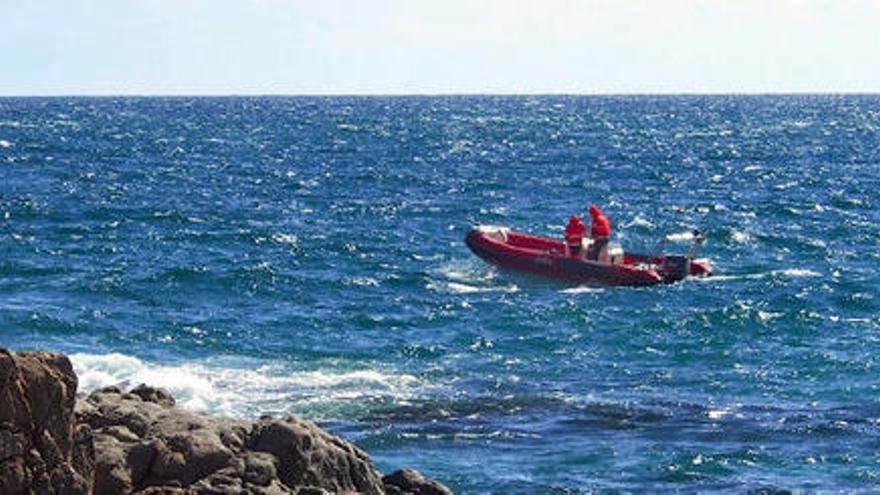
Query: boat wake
(468,278)
(786,273)
(470,289)
(583,289)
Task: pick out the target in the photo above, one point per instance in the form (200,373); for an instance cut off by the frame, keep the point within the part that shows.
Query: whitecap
(639,221)
(469,289)
(244,391)
(5,144)
(724,278)
(797,272)
(768,315)
(582,289)
(680,236)
(465,272)
(460,145)
(495,210)
(190,387)
(431,257)
(786,185)
(361,281)
(740,237)
(282,238)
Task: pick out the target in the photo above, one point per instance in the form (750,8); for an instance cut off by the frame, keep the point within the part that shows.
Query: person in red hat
(600,230)
(574,236)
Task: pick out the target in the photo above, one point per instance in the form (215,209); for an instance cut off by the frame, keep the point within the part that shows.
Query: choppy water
(271,255)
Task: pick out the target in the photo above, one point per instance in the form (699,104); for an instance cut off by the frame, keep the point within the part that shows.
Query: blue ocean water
(305,255)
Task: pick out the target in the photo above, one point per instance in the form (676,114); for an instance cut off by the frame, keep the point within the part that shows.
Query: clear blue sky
(440,46)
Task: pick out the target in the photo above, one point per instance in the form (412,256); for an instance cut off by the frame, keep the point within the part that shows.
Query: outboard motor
(676,268)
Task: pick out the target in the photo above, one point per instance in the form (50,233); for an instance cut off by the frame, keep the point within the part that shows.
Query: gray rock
(156,395)
(410,481)
(149,443)
(37,434)
(112,442)
(309,457)
(259,468)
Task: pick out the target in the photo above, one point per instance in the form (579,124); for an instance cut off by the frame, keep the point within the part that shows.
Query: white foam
(5,144)
(361,281)
(788,272)
(583,289)
(239,391)
(680,236)
(797,272)
(466,272)
(282,238)
(768,315)
(431,257)
(639,221)
(786,185)
(740,237)
(467,278)
(469,289)
(191,388)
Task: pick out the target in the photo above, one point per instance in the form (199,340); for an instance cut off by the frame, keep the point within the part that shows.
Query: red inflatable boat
(542,256)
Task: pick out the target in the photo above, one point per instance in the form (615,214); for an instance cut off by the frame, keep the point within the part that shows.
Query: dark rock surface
(143,441)
(41,449)
(112,442)
(410,481)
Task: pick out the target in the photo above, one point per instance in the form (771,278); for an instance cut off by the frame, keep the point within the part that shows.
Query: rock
(309,457)
(13,477)
(156,395)
(410,481)
(38,444)
(260,468)
(140,458)
(312,490)
(113,442)
(112,475)
(143,441)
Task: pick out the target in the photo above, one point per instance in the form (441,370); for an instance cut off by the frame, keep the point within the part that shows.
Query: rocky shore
(114,442)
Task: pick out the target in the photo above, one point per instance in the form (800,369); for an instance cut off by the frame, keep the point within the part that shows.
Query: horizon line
(437,94)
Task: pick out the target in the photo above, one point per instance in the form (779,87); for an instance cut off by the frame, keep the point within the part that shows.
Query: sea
(305,255)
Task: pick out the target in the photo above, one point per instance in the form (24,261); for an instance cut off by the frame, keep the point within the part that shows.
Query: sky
(190,47)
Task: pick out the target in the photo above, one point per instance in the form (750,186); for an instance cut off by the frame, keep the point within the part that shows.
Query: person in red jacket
(600,230)
(601,226)
(574,235)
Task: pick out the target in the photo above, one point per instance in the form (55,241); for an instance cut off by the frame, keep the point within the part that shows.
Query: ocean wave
(686,236)
(465,272)
(289,239)
(245,392)
(797,272)
(640,222)
(459,288)
(740,237)
(466,278)
(582,289)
